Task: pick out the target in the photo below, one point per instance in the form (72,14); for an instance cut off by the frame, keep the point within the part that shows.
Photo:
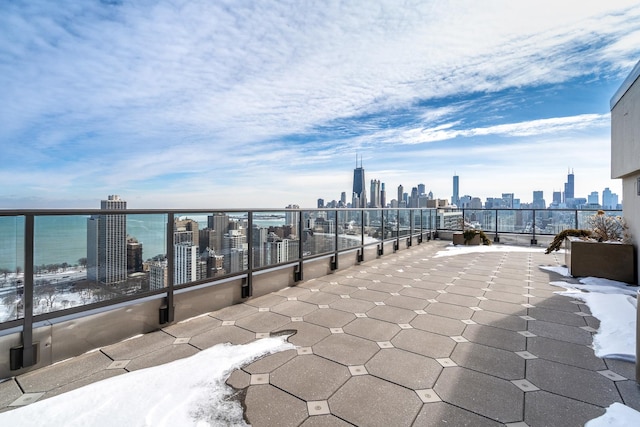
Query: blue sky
(218,104)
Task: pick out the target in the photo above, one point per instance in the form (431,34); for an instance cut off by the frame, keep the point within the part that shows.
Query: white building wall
(625,150)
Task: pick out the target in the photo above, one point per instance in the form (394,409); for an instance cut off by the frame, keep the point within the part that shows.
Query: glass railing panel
(584,217)
(11,267)
(553,221)
(449,220)
(147,251)
(404,222)
(224,242)
(373,226)
(416,221)
(80,259)
(480,219)
(275,237)
(349,228)
(428,219)
(319,233)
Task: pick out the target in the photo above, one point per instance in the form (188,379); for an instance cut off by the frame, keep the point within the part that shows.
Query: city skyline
(197,105)
(566,198)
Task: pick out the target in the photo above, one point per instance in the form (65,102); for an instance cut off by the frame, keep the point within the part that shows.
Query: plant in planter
(471,233)
(603,251)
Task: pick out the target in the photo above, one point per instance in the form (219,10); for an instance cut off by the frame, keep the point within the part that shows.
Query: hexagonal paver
(267,406)
(489,360)
(569,381)
(406,302)
(565,352)
(310,377)
(404,368)
(307,334)
(557,316)
(503,307)
(329,318)
(425,343)
(319,298)
(294,308)
(268,300)
(439,414)
(391,314)
(495,337)
(546,409)
(234,312)
(191,327)
(557,331)
(455,299)
(372,329)
(449,310)
(223,334)
(270,362)
(352,305)
(263,322)
(500,320)
(369,401)
(346,349)
(162,356)
(324,421)
(138,346)
(480,393)
(439,325)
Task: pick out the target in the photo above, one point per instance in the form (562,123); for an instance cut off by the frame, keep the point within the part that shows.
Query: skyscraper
(400,194)
(421,189)
(538,200)
(455,198)
(107,243)
(359,190)
(375,193)
(569,187)
(383,196)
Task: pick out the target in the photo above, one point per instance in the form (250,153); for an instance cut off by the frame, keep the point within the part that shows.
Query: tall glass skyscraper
(359,189)
(107,243)
(455,198)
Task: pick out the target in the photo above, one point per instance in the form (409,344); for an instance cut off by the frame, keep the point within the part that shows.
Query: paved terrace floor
(406,340)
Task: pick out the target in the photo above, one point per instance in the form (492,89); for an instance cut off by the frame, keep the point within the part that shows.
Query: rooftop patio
(409,339)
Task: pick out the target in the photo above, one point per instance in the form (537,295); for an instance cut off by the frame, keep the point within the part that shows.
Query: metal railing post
(496,238)
(247,286)
(334,259)
(533,229)
(299,274)
(167,311)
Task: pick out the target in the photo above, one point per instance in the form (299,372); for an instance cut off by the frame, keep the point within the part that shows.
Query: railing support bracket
(16,357)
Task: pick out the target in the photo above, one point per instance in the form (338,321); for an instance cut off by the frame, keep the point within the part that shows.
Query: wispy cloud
(143,95)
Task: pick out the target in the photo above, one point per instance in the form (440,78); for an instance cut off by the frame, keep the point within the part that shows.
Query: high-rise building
(538,200)
(383,196)
(421,189)
(608,200)
(107,243)
(186,230)
(320,203)
(185,264)
(375,193)
(569,187)
(134,256)
(359,190)
(413,200)
(455,198)
(557,197)
(400,195)
(219,222)
(507,200)
(593,198)
(158,275)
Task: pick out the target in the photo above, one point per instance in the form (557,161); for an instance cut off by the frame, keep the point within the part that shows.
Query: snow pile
(617,415)
(186,392)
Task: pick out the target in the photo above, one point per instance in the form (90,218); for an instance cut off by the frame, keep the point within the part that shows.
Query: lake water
(63,238)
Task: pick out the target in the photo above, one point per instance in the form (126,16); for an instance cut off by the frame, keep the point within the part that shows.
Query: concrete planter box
(458,239)
(614,261)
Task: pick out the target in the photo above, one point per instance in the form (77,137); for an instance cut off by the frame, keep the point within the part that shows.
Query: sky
(199,396)
(251,104)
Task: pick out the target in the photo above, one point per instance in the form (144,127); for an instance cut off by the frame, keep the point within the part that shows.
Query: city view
(80,260)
